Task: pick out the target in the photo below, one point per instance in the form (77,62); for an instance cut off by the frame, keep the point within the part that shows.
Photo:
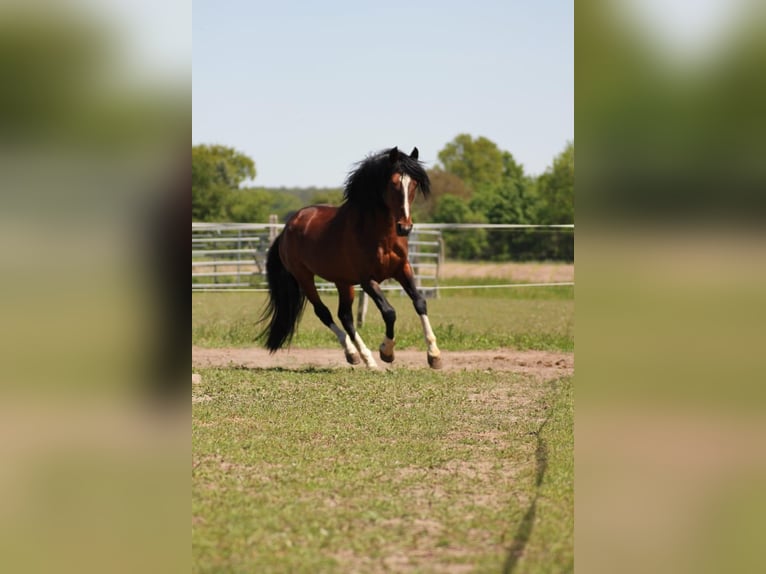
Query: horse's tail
(285,305)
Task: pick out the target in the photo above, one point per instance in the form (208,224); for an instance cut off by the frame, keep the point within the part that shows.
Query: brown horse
(362,242)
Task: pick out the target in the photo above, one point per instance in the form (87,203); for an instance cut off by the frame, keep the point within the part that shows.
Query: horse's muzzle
(403,229)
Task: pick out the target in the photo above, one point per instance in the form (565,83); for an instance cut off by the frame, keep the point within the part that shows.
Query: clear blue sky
(308,88)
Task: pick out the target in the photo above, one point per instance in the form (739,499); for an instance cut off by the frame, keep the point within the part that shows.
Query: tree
(283,204)
(443,184)
(511,200)
(496,190)
(555,205)
(466,244)
(220,165)
(556,189)
(327,196)
(245,205)
(478,162)
(216,171)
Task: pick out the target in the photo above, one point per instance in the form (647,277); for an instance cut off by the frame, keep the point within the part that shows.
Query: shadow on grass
(524,531)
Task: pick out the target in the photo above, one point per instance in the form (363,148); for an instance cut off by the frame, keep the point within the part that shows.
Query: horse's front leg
(372,288)
(407,282)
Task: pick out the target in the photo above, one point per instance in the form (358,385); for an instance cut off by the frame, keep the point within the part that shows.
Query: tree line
(474,181)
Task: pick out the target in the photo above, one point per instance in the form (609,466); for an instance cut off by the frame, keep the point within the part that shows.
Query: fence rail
(233,256)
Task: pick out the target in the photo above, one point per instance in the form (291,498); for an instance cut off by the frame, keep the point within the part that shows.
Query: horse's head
(405,180)
(388,182)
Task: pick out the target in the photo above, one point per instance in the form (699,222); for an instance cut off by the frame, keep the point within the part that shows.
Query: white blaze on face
(406,194)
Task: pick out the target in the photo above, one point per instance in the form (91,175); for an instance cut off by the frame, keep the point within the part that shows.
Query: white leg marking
(367,357)
(433,350)
(343,339)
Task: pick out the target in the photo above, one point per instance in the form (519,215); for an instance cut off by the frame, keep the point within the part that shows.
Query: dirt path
(545,364)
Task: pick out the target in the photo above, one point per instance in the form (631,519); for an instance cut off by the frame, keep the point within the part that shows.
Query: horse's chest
(387,261)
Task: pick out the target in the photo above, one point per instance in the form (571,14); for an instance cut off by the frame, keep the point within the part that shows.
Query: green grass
(537,293)
(356,471)
(522,318)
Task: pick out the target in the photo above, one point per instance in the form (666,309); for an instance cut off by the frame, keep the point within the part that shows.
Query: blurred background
(670,281)
(94,129)
(94,113)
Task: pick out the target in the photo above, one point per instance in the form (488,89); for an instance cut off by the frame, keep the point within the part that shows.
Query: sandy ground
(545,364)
(521,272)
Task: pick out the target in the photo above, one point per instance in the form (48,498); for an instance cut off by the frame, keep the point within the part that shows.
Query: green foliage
(310,195)
(478,162)
(216,171)
(282,204)
(463,244)
(556,189)
(208,202)
(477,182)
(257,204)
(555,205)
(328,196)
(245,205)
(443,184)
(511,201)
(217,165)
(498,191)
(452,210)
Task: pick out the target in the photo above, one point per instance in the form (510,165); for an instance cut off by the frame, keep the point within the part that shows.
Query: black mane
(365,184)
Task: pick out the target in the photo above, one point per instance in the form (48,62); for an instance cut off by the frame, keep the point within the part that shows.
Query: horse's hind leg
(372,288)
(346,316)
(321,311)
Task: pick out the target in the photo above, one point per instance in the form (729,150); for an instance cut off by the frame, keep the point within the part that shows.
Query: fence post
(440,260)
(415,260)
(239,258)
(361,310)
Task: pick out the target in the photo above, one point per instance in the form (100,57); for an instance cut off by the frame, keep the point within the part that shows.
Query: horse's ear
(414,154)
(393,155)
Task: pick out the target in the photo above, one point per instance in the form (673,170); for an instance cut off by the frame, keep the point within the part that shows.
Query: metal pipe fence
(233,256)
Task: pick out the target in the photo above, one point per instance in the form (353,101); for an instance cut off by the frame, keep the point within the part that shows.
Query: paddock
(302,462)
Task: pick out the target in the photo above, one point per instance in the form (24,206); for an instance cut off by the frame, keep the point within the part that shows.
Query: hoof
(353,358)
(434,362)
(386,358)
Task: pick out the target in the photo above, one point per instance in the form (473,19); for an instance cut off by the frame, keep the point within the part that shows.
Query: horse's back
(310,222)
(311,240)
